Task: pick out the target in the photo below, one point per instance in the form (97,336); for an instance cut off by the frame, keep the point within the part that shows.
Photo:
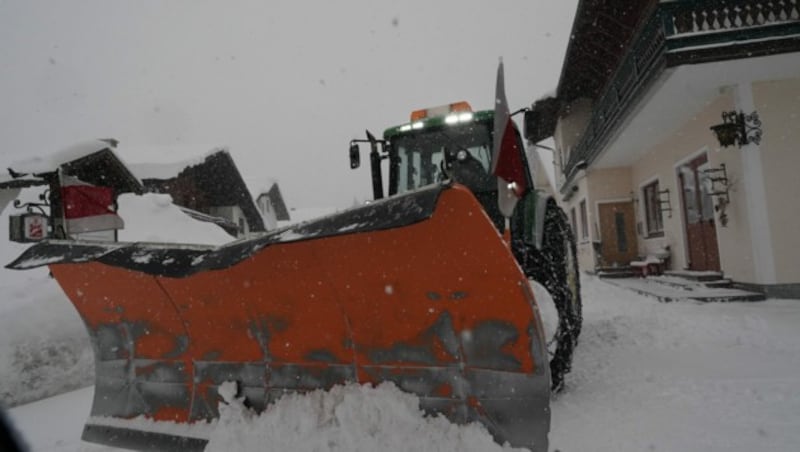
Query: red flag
(87,207)
(507,163)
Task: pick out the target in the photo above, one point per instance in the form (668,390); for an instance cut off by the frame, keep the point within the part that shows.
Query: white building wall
(760,243)
(267,212)
(778,105)
(661,162)
(604,185)
(586,257)
(234,214)
(568,132)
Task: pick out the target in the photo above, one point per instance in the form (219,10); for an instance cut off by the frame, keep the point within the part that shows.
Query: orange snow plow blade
(419,290)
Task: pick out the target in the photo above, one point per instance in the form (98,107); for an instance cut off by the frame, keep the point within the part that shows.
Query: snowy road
(681,376)
(647,376)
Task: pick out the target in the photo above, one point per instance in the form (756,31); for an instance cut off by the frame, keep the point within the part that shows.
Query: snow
(51,162)
(154,218)
(55,424)
(647,376)
(299,215)
(346,418)
(43,345)
(196,430)
(681,376)
(161,162)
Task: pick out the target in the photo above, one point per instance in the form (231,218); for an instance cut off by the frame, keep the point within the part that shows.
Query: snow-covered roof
(264,188)
(163,168)
(50,162)
(93,161)
(7,180)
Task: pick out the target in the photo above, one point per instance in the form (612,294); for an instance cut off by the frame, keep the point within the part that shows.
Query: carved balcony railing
(686,17)
(684,32)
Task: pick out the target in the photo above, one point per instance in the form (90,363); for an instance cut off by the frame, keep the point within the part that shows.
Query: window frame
(574,221)
(651,205)
(584,218)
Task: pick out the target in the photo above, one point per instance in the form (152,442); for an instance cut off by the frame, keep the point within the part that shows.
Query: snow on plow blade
(418,289)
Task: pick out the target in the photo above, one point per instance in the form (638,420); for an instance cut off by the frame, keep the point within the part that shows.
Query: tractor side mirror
(529,124)
(355,156)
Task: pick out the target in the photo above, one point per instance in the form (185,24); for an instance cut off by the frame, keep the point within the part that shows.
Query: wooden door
(617,233)
(698,216)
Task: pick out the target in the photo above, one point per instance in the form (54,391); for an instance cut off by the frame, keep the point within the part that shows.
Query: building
(209,189)
(272,207)
(93,162)
(640,171)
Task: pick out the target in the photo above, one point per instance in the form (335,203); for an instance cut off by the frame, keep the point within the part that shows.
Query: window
(574,222)
(420,156)
(622,237)
(584,222)
(652,210)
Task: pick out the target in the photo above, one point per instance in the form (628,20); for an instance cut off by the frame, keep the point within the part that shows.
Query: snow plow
(453,143)
(418,289)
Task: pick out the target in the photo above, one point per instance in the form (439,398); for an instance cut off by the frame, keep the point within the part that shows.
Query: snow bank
(346,418)
(154,218)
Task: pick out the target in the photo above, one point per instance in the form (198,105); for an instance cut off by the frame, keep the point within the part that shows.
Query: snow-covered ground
(683,376)
(647,376)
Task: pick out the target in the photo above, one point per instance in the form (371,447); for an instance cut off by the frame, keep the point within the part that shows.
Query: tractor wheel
(555,267)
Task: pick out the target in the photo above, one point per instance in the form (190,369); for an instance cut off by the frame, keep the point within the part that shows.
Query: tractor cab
(446,142)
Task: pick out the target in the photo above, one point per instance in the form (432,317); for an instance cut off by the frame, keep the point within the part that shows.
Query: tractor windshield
(461,152)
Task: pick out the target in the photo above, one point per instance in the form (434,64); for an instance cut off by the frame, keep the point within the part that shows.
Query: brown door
(698,216)
(617,233)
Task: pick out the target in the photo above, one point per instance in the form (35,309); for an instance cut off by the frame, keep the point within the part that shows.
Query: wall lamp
(738,128)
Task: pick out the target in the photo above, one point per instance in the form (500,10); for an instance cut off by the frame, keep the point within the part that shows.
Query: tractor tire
(555,266)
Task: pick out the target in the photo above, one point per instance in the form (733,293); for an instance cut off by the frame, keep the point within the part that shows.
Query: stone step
(616,275)
(656,287)
(738,295)
(695,275)
(689,284)
(719,284)
(616,272)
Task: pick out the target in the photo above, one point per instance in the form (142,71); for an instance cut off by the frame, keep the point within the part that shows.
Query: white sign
(35,227)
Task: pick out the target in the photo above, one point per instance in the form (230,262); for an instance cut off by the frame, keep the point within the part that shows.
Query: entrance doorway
(698,216)
(617,233)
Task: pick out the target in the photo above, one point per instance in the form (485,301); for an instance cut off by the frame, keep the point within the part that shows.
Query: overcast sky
(283,84)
